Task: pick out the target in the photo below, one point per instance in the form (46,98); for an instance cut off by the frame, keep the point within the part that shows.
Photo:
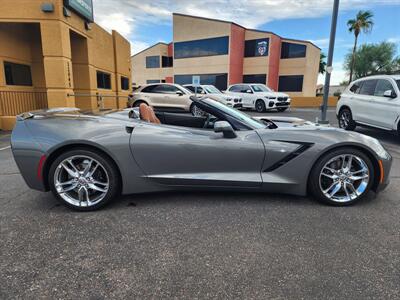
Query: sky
(146,22)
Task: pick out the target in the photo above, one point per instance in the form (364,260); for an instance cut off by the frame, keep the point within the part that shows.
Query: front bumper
(384,180)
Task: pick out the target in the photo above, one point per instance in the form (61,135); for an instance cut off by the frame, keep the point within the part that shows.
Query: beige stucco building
(224,53)
(51,55)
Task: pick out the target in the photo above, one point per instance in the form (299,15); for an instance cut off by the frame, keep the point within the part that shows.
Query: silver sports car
(88,159)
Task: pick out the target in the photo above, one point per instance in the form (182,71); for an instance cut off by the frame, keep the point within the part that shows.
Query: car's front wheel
(83,179)
(260,106)
(342,177)
(346,121)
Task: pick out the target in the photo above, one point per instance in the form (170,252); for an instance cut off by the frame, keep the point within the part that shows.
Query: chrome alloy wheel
(344,119)
(344,178)
(197,112)
(81,181)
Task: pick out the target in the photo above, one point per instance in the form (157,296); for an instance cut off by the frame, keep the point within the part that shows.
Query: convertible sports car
(87,159)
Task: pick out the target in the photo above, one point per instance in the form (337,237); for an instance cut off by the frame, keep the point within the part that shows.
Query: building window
(152,62)
(217,80)
(290,50)
(256,78)
(292,83)
(153,81)
(199,48)
(17,74)
(103,80)
(167,61)
(257,47)
(124,83)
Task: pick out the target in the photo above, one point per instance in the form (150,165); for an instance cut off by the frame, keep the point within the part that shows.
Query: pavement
(200,245)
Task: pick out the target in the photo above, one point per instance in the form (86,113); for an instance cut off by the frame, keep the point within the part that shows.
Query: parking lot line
(5,148)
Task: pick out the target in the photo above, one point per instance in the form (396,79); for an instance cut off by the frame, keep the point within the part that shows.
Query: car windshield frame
(262,88)
(240,120)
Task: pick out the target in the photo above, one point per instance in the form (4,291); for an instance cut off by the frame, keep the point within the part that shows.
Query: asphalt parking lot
(200,245)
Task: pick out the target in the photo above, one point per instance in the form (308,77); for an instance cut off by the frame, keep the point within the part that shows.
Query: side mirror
(249,92)
(389,94)
(225,128)
(179,93)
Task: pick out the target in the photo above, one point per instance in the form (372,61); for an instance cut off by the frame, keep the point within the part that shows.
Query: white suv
(214,93)
(163,96)
(372,101)
(259,97)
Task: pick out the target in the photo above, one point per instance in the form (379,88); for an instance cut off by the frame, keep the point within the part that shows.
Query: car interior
(146,113)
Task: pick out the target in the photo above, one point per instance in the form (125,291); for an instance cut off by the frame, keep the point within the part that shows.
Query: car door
(385,109)
(186,156)
(362,102)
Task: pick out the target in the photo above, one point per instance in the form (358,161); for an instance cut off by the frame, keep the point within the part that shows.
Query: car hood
(273,94)
(223,96)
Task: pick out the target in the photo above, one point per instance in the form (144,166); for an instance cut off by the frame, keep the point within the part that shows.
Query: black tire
(107,164)
(281,109)
(345,119)
(260,106)
(314,184)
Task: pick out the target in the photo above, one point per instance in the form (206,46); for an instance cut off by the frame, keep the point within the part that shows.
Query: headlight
(377,147)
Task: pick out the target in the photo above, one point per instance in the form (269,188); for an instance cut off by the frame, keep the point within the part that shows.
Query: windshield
(212,89)
(244,118)
(260,88)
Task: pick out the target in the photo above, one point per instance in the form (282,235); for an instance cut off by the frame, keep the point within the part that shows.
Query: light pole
(324,106)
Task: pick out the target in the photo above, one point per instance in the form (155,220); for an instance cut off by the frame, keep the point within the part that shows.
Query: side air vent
(302,148)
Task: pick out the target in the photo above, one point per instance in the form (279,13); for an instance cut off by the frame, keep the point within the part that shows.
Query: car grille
(282,98)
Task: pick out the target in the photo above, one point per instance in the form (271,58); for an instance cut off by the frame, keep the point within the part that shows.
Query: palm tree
(362,22)
(322,63)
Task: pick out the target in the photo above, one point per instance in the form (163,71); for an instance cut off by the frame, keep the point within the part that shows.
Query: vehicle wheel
(260,106)
(197,112)
(282,109)
(341,177)
(83,179)
(346,119)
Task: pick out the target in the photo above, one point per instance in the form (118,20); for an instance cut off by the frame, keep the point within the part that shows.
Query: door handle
(129,128)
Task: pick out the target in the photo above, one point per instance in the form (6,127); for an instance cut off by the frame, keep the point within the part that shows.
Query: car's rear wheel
(282,109)
(346,119)
(342,177)
(83,179)
(260,106)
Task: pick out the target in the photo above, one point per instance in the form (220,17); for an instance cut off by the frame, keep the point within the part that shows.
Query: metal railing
(13,103)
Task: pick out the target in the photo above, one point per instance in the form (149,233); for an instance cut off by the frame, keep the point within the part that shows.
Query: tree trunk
(353,59)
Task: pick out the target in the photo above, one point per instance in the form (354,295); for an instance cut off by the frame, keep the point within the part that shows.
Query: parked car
(87,160)
(372,101)
(165,96)
(259,97)
(214,93)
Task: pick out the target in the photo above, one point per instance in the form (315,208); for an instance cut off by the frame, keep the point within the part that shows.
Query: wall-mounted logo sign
(262,48)
(84,8)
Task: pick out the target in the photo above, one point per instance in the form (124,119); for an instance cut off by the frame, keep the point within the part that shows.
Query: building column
(274,59)
(57,63)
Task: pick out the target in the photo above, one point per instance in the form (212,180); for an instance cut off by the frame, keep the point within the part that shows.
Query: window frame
(98,72)
(364,85)
(288,51)
(177,45)
(255,41)
(7,78)
(123,78)
(290,90)
(147,61)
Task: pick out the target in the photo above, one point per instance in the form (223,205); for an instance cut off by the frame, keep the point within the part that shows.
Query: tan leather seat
(147,114)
